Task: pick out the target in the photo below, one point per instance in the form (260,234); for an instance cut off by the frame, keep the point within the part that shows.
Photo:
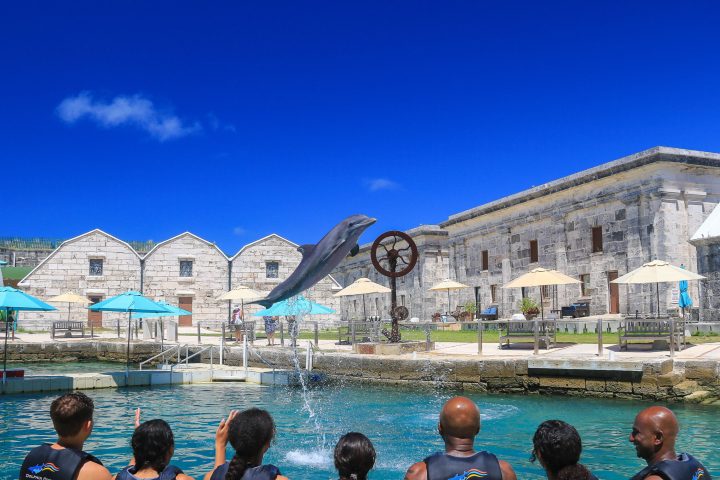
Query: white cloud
(125,110)
(239,231)
(377,184)
(216,124)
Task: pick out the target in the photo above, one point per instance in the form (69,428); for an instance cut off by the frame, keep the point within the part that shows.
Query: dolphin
(320,259)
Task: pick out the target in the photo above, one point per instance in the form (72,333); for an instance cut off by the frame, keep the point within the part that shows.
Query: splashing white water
(312,458)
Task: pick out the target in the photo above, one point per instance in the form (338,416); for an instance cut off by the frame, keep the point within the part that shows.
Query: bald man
(653,435)
(459,423)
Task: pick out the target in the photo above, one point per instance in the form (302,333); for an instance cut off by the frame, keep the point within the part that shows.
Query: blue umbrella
(130,301)
(173,311)
(295,306)
(14,299)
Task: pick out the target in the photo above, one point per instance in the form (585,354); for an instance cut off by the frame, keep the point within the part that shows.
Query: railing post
(222,344)
(672,337)
(282,334)
(245,354)
(118,328)
(480,336)
(211,356)
(427,337)
(600,337)
(352,332)
(308,357)
(317,336)
(199,339)
(92,330)
(536,329)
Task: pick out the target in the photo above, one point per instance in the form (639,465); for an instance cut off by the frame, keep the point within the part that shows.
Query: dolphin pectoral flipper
(354,250)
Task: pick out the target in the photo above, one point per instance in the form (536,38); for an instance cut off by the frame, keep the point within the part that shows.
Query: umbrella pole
(7,316)
(448,312)
(68,311)
(657,297)
(365,308)
(127,351)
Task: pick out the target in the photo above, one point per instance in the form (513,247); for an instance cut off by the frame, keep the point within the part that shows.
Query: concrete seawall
(661,379)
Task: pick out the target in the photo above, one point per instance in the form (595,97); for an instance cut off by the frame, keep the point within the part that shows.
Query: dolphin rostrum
(320,259)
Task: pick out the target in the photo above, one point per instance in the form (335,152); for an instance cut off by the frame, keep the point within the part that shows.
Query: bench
(68,328)
(579,309)
(490,313)
(649,329)
(524,331)
(245,328)
(359,331)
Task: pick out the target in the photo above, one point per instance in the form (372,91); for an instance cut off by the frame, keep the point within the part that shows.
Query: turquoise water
(400,422)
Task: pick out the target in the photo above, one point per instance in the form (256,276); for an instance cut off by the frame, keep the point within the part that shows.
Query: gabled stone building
(595,225)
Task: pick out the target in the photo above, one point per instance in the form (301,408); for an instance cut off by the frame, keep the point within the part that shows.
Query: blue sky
(238,119)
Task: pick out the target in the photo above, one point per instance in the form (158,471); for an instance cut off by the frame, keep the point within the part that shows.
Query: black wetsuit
(442,466)
(263,472)
(47,463)
(168,473)
(686,467)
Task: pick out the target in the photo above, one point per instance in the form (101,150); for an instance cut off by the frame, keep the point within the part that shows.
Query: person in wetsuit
(153,445)
(250,433)
(653,434)
(354,456)
(557,446)
(458,426)
(72,417)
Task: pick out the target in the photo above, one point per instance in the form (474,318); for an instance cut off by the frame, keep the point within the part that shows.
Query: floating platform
(185,374)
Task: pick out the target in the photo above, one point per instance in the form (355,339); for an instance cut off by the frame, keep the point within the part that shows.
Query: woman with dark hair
(153,446)
(250,433)
(354,456)
(557,446)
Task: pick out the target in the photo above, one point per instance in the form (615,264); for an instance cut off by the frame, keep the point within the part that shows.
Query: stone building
(595,225)
(190,272)
(268,261)
(95,264)
(707,242)
(185,270)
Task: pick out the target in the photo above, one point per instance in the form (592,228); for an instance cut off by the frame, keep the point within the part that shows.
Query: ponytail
(249,434)
(236,469)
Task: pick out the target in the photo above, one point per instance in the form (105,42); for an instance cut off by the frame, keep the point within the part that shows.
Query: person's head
(557,446)
(72,415)
(153,445)
(459,418)
(250,434)
(654,432)
(354,456)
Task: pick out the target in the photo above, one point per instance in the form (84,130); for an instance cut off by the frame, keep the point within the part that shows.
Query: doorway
(614,293)
(94,318)
(186,304)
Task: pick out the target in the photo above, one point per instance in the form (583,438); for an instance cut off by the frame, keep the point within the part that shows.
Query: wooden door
(614,290)
(94,318)
(186,304)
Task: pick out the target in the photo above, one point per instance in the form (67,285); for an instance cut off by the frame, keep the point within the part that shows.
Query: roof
(184,234)
(630,162)
(261,240)
(74,239)
(710,228)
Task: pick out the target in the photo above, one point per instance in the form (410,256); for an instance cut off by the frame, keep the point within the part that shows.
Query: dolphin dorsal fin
(306,250)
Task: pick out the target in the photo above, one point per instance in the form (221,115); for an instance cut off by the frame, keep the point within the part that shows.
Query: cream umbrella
(69,298)
(657,271)
(448,285)
(540,277)
(362,286)
(241,293)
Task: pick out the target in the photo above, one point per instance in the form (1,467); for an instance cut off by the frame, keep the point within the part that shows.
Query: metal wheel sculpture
(394,254)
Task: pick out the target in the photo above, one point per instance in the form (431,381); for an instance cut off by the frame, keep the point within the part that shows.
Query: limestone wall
(209,280)
(68,269)
(249,268)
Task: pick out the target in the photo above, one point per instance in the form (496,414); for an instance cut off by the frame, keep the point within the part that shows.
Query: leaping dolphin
(320,259)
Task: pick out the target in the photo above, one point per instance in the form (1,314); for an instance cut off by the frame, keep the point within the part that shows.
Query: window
(485,259)
(96,267)
(545,291)
(597,245)
(493,293)
(402,300)
(533,251)
(271,269)
(585,285)
(186,268)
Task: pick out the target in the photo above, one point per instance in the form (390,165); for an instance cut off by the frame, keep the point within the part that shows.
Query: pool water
(402,423)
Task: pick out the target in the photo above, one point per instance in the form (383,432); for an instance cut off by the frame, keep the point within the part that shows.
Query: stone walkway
(706,351)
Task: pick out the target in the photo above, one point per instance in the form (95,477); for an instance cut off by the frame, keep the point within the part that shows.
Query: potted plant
(529,308)
(470,309)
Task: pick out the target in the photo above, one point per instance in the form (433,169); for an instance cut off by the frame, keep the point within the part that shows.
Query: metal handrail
(161,354)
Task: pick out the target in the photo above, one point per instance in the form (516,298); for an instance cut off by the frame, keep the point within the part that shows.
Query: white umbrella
(69,297)
(657,271)
(448,285)
(539,277)
(241,293)
(362,286)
